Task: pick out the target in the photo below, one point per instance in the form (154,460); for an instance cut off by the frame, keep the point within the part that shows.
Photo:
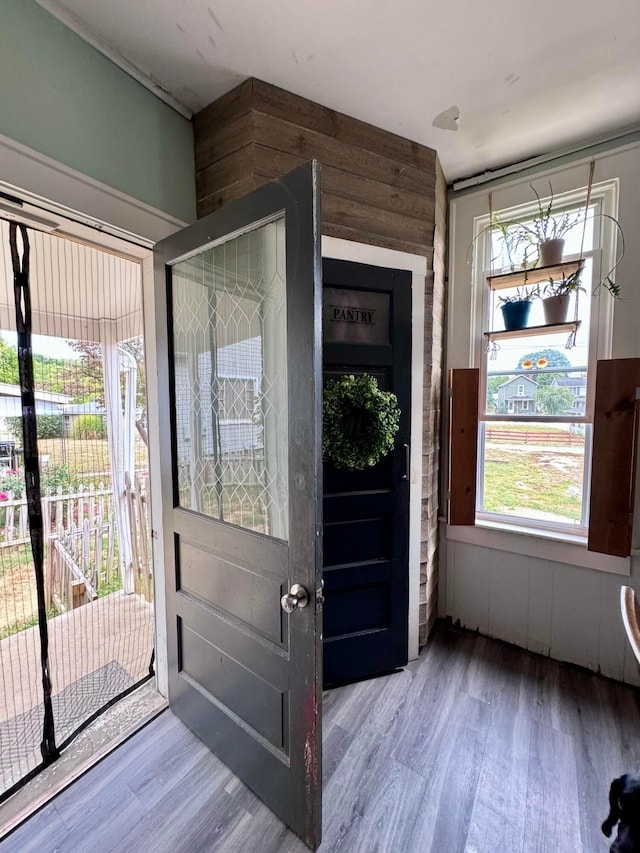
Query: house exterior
(47,403)
(72,411)
(517,396)
(577,385)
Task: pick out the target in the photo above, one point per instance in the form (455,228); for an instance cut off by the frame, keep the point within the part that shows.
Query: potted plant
(556,295)
(512,238)
(547,229)
(516,308)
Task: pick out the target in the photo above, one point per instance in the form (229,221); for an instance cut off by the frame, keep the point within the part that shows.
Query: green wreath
(359,422)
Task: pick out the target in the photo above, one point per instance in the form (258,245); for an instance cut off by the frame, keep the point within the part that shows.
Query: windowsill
(541,544)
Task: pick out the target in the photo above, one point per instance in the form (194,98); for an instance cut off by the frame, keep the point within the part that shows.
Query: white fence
(59,511)
(80,540)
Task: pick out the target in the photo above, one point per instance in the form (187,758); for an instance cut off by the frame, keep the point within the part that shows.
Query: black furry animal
(624,810)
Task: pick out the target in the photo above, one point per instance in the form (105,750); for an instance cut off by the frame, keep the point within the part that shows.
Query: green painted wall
(61,97)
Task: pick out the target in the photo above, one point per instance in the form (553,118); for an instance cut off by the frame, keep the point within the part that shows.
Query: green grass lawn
(86,456)
(546,482)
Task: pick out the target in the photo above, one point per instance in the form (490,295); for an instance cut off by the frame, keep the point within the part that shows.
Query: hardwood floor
(477,747)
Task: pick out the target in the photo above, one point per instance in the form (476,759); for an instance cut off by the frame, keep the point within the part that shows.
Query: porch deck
(95,652)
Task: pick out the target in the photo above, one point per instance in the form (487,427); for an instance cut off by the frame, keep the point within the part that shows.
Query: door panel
(367,329)
(238,304)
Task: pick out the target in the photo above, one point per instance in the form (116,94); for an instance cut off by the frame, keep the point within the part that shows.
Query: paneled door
(367,329)
(239,376)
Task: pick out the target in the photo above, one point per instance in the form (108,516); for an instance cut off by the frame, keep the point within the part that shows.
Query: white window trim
(605,196)
(547,545)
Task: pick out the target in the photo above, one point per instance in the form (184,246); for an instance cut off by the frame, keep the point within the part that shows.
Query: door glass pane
(230,361)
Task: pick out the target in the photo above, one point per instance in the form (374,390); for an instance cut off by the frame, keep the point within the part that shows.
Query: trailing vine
(359,422)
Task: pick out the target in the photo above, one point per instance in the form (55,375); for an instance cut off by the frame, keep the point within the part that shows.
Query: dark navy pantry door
(367,329)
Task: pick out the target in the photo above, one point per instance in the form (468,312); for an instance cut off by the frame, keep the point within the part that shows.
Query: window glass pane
(533,471)
(550,390)
(537,361)
(536,317)
(509,254)
(573,237)
(230,359)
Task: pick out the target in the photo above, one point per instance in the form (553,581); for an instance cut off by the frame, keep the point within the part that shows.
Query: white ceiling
(528,77)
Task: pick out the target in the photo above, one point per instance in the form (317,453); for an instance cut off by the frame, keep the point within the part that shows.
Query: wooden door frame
(333,247)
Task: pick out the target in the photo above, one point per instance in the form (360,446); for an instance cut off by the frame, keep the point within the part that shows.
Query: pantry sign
(355,316)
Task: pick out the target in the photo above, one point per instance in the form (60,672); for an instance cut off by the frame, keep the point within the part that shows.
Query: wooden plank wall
(433,390)
(377,188)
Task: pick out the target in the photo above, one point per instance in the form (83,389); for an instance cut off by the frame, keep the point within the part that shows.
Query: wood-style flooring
(476,747)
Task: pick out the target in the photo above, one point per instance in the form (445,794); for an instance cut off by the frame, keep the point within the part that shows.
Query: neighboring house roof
(518,380)
(90,408)
(7,390)
(520,397)
(570,382)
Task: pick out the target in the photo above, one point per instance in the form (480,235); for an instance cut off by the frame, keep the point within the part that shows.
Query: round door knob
(295,598)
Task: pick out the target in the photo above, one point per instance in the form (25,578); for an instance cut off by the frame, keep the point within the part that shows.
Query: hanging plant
(359,421)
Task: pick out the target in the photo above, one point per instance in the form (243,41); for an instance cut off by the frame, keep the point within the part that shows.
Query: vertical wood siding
(377,188)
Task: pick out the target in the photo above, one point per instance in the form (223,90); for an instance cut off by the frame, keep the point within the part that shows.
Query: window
(535,444)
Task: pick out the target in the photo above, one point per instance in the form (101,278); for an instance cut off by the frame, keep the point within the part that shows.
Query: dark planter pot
(515,314)
(550,252)
(556,308)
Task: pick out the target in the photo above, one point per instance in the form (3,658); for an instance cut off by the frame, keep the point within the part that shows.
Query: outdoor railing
(136,497)
(533,437)
(59,511)
(80,537)
(66,585)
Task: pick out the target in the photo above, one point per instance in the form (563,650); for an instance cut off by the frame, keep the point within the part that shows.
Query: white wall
(545,596)
(62,98)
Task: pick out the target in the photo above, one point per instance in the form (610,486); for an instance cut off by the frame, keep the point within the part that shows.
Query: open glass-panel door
(239,366)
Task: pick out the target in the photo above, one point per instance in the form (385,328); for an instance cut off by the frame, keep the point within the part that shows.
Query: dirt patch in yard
(18,600)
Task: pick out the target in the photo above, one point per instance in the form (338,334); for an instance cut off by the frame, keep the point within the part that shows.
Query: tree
(554,357)
(553,400)
(8,363)
(90,382)
(89,426)
(49,373)
(493,383)
(83,379)
(47,426)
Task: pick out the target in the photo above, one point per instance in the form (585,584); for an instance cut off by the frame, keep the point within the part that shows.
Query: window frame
(604,200)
